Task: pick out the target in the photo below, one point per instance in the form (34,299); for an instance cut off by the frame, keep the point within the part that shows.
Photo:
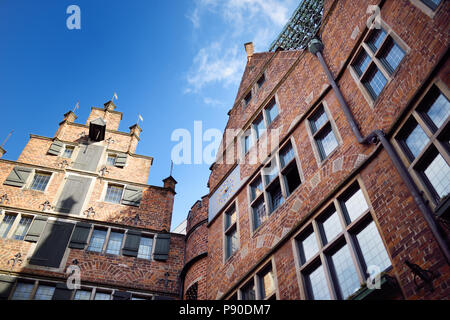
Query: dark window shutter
(132,196)
(6,285)
(36,229)
(18,177)
(162,245)
(88,157)
(162,298)
(62,292)
(121,295)
(80,235)
(52,244)
(121,160)
(73,195)
(55,148)
(131,246)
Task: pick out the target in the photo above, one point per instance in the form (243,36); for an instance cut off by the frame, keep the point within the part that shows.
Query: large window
(276,181)
(339,246)
(424,142)
(322,133)
(260,286)
(40,181)
(114,243)
(145,248)
(114,193)
(98,238)
(14,226)
(378,58)
(259,125)
(231,235)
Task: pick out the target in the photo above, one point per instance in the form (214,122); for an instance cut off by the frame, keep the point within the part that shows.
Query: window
(259,126)
(114,243)
(266,284)
(97,240)
(82,295)
(261,81)
(322,133)
(271,111)
(102,296)
(68,151)
(340,235)
(247,98)
(276,182)
(378,58)
(114,193)
(44,292)
(248,291)
(111,160)
(231,236)
(145,248)
(432,4)
(191,293)
(22,228)
(6,225)
(23,291)
(424,141)
(40,181)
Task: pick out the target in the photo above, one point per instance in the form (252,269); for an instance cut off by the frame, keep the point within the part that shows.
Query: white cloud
(213,102)
(215,64)
(222,61)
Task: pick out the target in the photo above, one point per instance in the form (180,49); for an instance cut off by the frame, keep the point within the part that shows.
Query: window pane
(248,98)
(113,194)
(318,285)
(68,151)
(261,81)
(345,272)
(22,228)
(376,39)
(102,296)
(439,110)
(416,141)
(271,172)
(232,242)
(23,291)
(318,120)
(375,82)
(438,173)
(355,205)
(271,112)
(248,142)
(372,248)
(309,247)
(40,181)
(276,197)
(433,4)
(111,160)
(392,56)
(331,227)
(292,178)
(82,295)
(259,212)
(328,143)
(362,62)
(267,284)
(260,127)
(248,292)
(256,188)
(6,224)
(97,240)
(114,243)
(145,248)
(44,293)
(230,218)
(286,155)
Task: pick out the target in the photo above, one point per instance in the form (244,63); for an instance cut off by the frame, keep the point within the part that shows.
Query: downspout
(316,47)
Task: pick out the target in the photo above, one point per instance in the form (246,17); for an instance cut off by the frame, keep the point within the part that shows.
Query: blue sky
(173,62)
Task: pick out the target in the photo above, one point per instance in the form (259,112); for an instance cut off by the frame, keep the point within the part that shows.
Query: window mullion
(33,291)
(356,260)
(328,276)
(105,245)
(382,69)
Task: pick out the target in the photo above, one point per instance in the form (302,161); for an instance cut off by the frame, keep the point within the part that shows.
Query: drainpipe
(316,47)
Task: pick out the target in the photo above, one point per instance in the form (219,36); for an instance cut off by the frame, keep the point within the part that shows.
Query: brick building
(80,200)
(350,134)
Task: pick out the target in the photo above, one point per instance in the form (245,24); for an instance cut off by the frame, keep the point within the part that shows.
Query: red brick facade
(144,277)
(299,84)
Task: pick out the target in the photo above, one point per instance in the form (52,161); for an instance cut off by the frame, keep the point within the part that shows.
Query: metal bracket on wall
(90,212)
(45,206)
(16,260)
(4,199)
(427,276)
